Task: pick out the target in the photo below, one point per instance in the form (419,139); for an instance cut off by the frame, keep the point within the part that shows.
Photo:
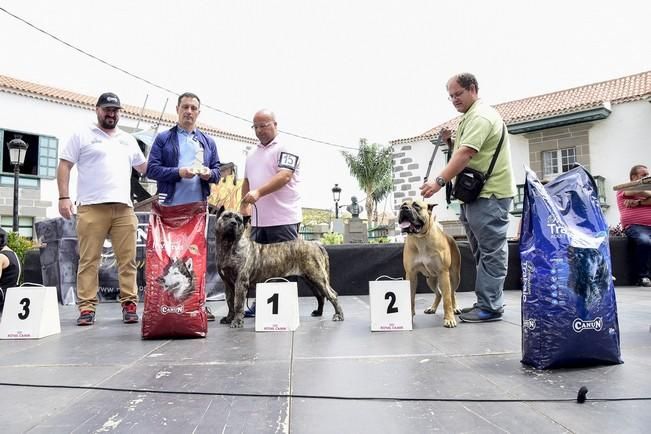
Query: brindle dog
(242,263)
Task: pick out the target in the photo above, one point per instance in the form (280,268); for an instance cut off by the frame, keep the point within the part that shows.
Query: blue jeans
(486,221)
(641,236)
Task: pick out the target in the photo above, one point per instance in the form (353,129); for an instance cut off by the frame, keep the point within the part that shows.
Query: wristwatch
(441,181)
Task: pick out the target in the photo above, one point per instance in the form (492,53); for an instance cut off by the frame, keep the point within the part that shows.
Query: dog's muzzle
(408,221)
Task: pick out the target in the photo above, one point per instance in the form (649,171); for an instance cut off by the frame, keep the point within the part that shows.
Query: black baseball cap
(108,99)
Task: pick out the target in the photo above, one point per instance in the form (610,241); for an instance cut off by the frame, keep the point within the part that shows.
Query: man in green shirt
(485,219)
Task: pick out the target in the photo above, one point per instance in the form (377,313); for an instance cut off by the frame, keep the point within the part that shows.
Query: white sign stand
(30,313)
(390,305)
(276,306)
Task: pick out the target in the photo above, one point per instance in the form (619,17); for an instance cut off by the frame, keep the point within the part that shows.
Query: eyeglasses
(456,94)
(261,126)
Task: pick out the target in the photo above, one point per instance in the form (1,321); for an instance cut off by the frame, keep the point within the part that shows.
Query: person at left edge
(9,267)
(173,156)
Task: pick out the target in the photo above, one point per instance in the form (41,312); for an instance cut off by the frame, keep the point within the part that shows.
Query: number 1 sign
(390,305)
(276,307)
(30,313)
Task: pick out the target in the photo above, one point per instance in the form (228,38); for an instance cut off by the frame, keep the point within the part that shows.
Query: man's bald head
(265,126)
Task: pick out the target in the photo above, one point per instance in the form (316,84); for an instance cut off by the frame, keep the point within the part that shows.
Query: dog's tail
(455,277)
(326,258)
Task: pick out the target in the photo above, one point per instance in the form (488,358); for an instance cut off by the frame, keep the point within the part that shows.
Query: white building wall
(420,153)
(519,156)
(617,143)
(410,163)
(42,117)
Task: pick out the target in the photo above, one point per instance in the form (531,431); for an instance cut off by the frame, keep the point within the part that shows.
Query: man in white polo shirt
(104,156)
(271,178)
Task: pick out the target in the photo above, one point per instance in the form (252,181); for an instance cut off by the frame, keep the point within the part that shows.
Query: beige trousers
(94,224)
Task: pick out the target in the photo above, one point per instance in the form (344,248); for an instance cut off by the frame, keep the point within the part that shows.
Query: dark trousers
(273,234)
(641,236)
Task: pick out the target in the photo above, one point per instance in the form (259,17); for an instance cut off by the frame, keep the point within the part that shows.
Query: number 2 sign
(390,305)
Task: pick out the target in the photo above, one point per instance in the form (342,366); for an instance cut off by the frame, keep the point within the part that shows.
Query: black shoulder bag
(470,182)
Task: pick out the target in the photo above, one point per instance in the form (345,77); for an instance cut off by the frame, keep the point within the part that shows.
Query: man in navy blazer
(184,161)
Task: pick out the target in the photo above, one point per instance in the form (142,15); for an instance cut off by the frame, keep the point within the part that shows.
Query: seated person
(635,215)
(9,267)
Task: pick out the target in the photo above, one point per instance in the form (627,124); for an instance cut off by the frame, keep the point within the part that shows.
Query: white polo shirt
(282,207)
(103,165)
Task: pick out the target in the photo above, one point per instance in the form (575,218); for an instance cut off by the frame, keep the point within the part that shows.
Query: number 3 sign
(30,313)
(390,305)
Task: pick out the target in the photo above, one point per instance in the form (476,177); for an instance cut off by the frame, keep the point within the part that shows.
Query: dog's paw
(457,310)
(316,313)
(338,317)
(449,323)
(237,324)
(429,311)
(226,320)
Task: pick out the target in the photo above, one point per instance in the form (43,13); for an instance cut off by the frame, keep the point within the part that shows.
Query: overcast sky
(331,70)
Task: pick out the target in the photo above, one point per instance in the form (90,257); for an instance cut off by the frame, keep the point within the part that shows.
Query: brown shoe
(129,315)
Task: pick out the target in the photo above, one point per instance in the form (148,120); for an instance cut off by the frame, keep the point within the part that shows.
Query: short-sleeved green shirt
(480,128)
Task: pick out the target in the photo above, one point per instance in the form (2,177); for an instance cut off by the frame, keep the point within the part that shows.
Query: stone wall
(30,202)
(571,136)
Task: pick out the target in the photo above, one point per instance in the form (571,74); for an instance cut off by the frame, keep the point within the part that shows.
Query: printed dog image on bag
(588,273)
(178,279)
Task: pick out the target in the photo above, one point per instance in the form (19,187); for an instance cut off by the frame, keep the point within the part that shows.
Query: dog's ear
(430,207)
(212,209)
(247,220)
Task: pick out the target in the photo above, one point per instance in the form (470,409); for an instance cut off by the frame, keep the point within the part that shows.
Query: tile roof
(620,90)
(61,96)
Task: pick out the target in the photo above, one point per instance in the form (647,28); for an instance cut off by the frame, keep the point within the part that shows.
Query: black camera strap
(497,151)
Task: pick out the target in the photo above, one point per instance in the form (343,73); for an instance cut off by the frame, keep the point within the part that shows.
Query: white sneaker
(646,282)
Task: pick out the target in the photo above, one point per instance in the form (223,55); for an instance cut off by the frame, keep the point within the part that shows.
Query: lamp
(336,195)
(17,150)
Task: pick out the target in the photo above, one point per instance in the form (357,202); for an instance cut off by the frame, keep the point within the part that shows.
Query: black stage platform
(352,266)
(237,381)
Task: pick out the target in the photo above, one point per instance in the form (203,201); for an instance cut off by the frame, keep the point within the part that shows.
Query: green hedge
(19,244)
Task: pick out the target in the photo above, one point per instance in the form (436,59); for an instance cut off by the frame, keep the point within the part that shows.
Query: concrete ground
(237,381)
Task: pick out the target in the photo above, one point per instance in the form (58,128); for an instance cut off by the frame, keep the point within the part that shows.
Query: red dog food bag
(175,272)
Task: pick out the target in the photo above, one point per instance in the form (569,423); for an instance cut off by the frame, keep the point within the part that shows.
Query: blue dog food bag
(569,310)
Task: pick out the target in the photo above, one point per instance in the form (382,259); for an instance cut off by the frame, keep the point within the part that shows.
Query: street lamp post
(17,150)
(336,195)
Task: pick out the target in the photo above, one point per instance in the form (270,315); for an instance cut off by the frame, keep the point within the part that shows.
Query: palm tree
(381,192)
(372,167)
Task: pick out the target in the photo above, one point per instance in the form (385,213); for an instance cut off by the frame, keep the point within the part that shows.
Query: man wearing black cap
(104,156)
